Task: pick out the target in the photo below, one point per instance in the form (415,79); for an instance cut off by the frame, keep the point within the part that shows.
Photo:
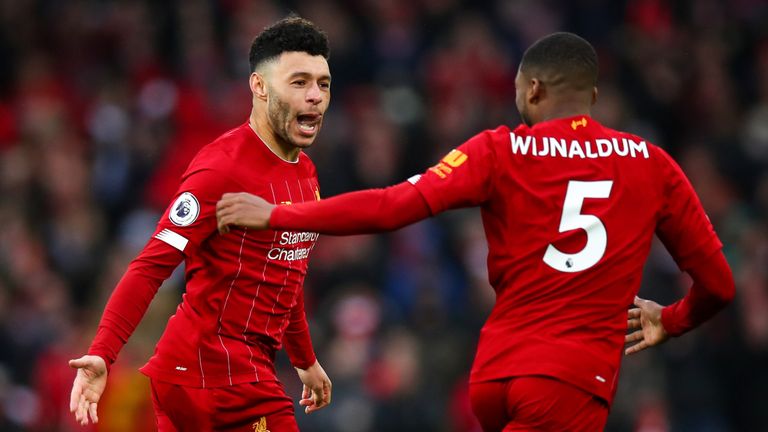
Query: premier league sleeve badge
(184,210)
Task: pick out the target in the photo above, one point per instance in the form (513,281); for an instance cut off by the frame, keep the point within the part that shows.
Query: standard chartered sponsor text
(288,238)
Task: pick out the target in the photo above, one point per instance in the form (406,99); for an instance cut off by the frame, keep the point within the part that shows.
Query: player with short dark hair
(213,368)
(562,59)
(567,65)
(570,208)
(291,34)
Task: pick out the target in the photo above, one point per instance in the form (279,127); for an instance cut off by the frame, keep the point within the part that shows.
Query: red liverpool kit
(569,209)
(244,290)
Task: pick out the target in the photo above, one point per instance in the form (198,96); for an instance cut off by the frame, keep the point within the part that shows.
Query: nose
(314,94)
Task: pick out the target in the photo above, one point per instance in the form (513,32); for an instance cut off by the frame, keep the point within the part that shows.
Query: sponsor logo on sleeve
(184,210)
(452,160)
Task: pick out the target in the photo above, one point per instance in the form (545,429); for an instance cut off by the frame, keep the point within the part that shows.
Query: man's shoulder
(305,160)
(219,154)
(615,133)
(492,137)
(501,132)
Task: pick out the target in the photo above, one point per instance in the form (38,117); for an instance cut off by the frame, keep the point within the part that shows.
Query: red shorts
(248,407)
(536,403)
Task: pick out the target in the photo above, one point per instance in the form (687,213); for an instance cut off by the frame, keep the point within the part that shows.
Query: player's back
(570,217)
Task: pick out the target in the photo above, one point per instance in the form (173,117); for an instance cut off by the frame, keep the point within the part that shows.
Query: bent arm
(366,211)
(688,234)
(131,297)
(713,289)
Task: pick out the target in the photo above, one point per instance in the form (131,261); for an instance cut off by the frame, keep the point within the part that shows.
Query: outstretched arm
(462,178)
(366,211)
(712,290)
(124,310)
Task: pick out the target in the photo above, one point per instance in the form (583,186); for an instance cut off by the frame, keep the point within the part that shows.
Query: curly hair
(292,33)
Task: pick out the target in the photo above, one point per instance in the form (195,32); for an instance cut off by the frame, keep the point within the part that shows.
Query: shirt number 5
(572,218)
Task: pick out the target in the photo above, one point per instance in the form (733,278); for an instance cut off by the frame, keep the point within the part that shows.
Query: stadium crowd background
(103,103)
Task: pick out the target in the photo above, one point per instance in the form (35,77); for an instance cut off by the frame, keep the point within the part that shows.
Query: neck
(260,124)
(563,110)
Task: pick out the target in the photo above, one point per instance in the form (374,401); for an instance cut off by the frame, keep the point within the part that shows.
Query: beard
(279,115)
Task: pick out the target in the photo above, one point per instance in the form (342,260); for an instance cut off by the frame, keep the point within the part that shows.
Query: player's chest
(286,186)
(287,191)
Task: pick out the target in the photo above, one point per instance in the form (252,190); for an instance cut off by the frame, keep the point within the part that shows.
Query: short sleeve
(683,226)
(461,179)
(191,217)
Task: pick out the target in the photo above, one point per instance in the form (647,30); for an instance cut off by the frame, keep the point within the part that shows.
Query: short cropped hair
(292,33)
(562,59)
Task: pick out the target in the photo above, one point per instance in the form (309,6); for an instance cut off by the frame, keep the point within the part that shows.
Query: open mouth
(309,122)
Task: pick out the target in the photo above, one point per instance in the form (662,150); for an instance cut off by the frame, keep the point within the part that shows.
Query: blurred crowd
(104,102)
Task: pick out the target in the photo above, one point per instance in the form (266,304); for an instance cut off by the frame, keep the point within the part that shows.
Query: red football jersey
(569,209)
(244,289)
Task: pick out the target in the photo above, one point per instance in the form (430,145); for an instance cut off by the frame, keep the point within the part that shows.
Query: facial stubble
(280,116)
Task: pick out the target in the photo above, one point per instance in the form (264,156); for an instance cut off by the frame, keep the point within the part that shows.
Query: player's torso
(569,225)
(240,286)
(254,276)
(567,203)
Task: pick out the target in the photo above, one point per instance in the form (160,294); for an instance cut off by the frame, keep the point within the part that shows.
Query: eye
(325,85)
(299,83)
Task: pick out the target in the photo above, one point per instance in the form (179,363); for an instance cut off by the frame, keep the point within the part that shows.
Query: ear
(258,86)
(594,95)
(535,91)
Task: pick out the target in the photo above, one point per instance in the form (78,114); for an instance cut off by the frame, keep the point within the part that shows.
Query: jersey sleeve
(131,297)
(191,217)
(186,223)
(683,226)
(360,212)
(297,342)
(462,178)
(713,288)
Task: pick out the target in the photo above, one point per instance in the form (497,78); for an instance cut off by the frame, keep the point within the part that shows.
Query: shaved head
(557,78)
(563,61)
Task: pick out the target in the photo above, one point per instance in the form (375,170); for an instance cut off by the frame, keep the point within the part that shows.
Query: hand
(89,384)
(646,317)
(317,388)
(242,209)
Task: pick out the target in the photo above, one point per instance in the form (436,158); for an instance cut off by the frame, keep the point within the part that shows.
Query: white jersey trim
(173,239)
